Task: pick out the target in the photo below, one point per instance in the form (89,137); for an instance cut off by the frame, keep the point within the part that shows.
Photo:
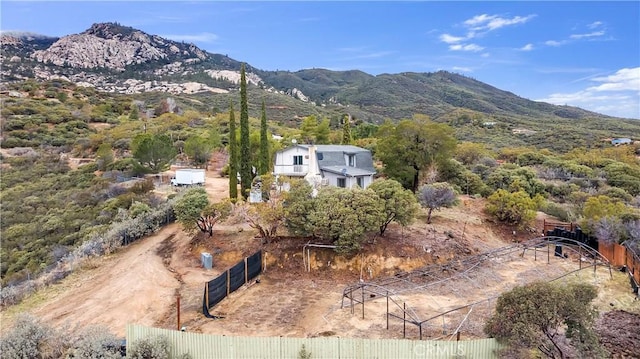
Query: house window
(297,160)
(342,182)
(360,181)
(351,160)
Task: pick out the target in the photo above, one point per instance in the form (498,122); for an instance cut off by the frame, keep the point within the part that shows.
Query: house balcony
(291,170)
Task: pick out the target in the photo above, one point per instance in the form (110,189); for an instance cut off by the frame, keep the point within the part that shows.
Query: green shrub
(557,211)
(514,208)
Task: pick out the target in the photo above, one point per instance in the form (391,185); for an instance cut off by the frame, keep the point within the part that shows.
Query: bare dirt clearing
(140,283)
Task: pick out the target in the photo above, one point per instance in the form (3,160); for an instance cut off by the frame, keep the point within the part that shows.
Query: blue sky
(585,54)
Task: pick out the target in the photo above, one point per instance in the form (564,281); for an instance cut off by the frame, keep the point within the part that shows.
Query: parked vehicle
(188,176)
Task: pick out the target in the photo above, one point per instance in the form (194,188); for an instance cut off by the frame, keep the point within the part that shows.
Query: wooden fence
(620,255)
(230,347)
(615,253)
(551,225)
(633,266)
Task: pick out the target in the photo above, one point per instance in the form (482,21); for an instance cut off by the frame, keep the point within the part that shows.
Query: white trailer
(188,176)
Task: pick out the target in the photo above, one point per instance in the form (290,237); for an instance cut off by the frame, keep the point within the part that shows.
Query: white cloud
(171,19)
(201,37)
(588,35)
(595,24)
(622,80)
(617,94)
(478,26)
(308,19)
(468,47)
(449,39)
(493,22)
(569,70)
(373,55)
(527,47)
(555,43)
(462,69)
(352,49)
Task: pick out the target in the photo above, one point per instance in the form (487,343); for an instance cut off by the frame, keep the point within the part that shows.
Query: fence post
(363,302)
(264,262)
(246,271)
(404,320)
(206,293)
(178,307)
(351,297)
(387,310)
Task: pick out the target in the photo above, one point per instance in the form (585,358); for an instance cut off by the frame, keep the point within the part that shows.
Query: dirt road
(136,285)
(131,286)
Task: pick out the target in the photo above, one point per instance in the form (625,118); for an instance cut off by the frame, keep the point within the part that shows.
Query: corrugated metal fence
(201,346)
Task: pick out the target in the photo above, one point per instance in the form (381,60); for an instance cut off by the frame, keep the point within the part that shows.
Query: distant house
(488,124)
(334,165)
(621,141)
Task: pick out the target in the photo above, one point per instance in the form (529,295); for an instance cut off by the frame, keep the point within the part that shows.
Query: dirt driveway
(136,285)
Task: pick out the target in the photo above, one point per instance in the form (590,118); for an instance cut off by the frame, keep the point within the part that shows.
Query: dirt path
(136,285)
(132,286)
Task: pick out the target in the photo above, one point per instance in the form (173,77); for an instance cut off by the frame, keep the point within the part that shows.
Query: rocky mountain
(117,58)
(18,45)
(121,59)
(114,47)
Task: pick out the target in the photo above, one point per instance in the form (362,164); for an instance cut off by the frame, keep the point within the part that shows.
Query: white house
(334,165)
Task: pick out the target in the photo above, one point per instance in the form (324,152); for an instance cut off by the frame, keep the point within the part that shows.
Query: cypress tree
(264,143)
(233,156)
(245,150)
(346,130)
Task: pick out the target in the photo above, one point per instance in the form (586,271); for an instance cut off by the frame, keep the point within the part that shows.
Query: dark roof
(349,171)
(337,148)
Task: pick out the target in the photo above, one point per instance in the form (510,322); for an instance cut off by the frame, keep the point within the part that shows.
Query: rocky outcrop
(88,51)
(9,40)
(115,58)
(295,93)
(112,46)
(234,76)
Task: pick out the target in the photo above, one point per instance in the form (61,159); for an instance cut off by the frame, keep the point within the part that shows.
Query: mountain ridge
(117,58)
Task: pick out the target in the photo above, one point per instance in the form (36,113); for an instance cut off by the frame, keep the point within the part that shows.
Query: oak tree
(554,319)
(411,147)
(400,205)
(345,216)
(155,152)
